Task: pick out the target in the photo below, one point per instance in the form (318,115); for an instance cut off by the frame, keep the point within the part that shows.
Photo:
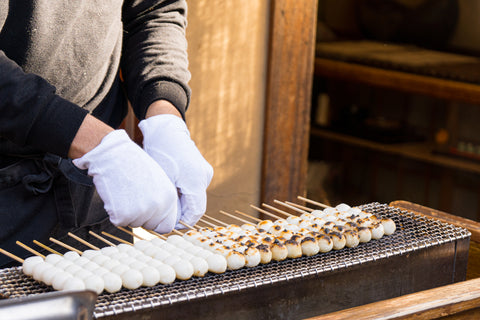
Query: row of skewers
(215,247)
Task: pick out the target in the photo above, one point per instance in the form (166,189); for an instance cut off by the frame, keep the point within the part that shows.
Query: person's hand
(167,140)
(134,188)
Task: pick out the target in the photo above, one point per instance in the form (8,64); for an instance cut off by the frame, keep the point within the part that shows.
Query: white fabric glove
(167,140)
(134,188)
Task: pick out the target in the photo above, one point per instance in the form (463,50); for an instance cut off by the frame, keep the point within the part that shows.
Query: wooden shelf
(417,151)
(397,80)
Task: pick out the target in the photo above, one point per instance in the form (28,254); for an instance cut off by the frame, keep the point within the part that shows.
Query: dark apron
(43,197)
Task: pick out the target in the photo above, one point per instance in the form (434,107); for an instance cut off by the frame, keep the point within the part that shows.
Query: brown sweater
(60,59)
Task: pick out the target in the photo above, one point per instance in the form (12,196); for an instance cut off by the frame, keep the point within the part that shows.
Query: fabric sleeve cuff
(56,126)
(161,90)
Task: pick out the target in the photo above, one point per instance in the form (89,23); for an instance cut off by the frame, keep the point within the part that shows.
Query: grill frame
(423,253)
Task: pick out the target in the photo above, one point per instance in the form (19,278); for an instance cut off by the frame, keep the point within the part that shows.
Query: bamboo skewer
(91,246)
(177,232)
(290,207)
(11,255)
(299,206)
(313,202)
(99,237)
(267,213)
(215,220)
(60,243)
(207,223)
(115,238)
(276,209)
(46,247)
(234,217)
(247,215)
(130,233)
(35,252)
(186,225)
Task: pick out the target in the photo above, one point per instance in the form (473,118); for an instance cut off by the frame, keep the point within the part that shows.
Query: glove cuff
(111,141)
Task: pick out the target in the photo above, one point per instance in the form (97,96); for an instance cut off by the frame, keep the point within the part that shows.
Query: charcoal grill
(423,253)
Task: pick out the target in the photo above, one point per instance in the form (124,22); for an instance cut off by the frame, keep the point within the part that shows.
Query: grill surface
(413,233)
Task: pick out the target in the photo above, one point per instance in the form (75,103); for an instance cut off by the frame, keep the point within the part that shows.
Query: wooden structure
(289,86)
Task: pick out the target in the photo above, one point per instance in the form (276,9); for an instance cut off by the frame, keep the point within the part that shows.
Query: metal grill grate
(413,233)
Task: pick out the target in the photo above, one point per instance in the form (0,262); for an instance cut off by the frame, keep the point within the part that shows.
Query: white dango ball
(62,264)
(53,258)
(109,251)
(388,226)
(71,255)
(329,211)
(81,261)
(364,234)
(175,239)
(39,269)
(294,249)
(377,231)
(309,246)
(110,264)
(90,253)
(151,276)
(200,266)
(252,257)
(265,253)
(325,243)
(170,260)
(94,283)
(142,244)
(112,281)
(167,273)
(120,269)
(29,263)
(235,260)
(216,263)
(352,239)
(60,279)
(50,274)
(342,207)
(73,268)
(73,284)
(132,279)
(100,259)
(157,241)
(183,269)
(279,251)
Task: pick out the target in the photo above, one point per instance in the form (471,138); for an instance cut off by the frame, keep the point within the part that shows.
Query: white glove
(134,188)
(167,140)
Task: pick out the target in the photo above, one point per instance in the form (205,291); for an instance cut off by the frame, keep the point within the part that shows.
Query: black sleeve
(32,114)
(154,60)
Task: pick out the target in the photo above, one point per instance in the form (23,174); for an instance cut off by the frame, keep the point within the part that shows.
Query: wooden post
(288,98)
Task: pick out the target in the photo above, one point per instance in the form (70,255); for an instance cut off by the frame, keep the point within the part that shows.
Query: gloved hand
(167,140)
(134,188)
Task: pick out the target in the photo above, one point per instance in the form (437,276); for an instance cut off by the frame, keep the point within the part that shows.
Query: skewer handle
(207,222)
(91,246)
(114,237)
(186,225)
(24,246)
(266,213)
(130,233)
(247,215)
(60,243)
(46,247)
(215,220)
(276,209)
(234,217)
(99,237)
(11,255)
(313,202)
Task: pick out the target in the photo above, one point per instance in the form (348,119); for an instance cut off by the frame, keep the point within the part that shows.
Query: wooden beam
(288,98)
(457,301)
(397,80)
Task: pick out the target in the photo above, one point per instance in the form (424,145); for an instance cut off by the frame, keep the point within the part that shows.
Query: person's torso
(75,45)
